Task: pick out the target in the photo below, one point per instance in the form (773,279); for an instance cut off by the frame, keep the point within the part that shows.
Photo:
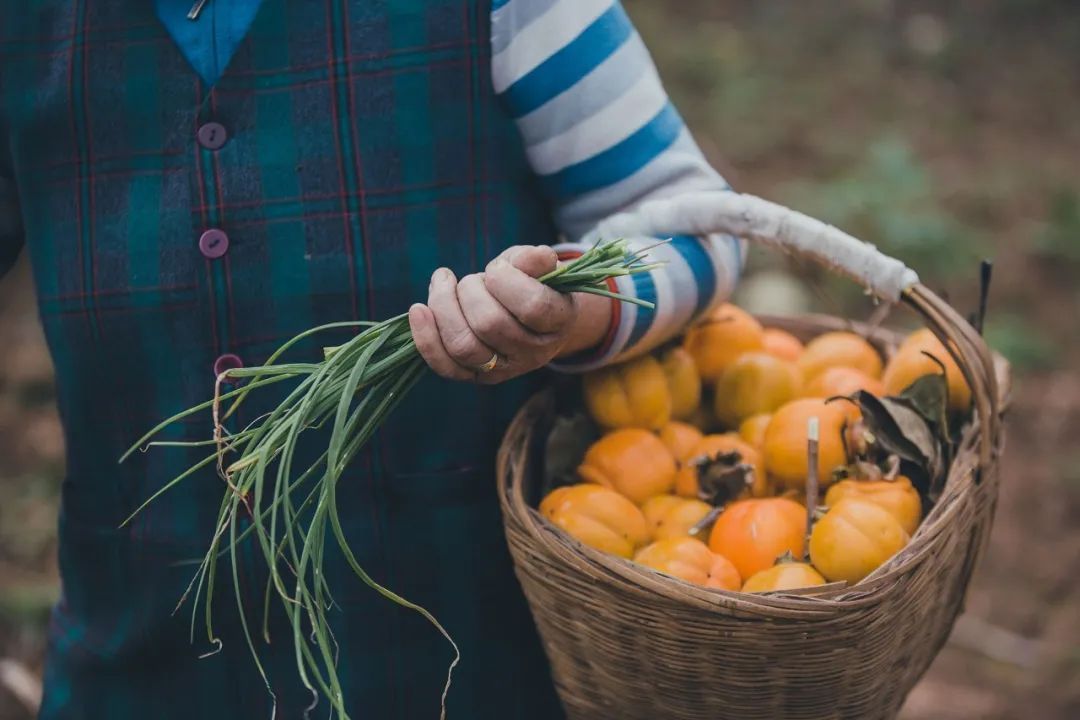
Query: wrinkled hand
(503,311)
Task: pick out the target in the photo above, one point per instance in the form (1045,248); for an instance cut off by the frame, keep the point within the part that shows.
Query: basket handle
(747,216)
(750,217)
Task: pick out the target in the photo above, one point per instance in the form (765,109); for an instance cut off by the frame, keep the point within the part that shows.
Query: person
(197,183)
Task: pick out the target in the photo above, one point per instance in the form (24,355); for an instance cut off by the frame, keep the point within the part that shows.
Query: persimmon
(690,560)
(839,349)
(680,438)
(785,448)
(753,533)
(752,429)
(909,364)
(853,539)
(898,497)
(842,382)
(755,383)
(684,383)
(784,576)
(782,344)
(686,479)
(719,339)
(598,517)
(632,461)
(673,516)
(633,394)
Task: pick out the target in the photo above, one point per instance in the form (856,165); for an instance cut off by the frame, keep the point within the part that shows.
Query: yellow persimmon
(597,516)
(898,497)
(754,383)
(633,394)
(684,383)
(853,539)
(673,516)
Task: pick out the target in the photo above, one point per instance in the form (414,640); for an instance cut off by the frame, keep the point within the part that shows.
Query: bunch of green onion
(352,390)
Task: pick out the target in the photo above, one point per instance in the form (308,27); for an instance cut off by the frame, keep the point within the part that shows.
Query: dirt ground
(944,132)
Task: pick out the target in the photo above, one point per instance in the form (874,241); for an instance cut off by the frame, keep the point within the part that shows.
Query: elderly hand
(505,314)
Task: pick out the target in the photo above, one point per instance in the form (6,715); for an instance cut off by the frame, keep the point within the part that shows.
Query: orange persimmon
(839,349)
(690,560)
(632,461)
(720,338)
(782,344)
(753,533)
(785,447)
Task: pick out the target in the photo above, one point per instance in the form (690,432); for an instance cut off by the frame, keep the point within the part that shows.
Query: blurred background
(945,132)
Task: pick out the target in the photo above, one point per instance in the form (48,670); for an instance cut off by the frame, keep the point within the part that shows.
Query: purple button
(213,243)
(227,362)
(212,135)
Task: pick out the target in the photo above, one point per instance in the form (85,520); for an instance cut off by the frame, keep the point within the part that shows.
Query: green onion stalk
(293,511)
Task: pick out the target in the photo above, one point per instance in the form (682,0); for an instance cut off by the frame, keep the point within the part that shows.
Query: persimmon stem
(701,526)
(812,435)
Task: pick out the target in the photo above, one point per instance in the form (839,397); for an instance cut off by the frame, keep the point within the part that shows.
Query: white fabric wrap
(746,216)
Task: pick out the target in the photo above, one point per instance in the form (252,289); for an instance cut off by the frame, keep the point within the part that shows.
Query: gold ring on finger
(490,364)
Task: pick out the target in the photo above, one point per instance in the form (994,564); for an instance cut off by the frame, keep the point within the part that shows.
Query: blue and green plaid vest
(350,148)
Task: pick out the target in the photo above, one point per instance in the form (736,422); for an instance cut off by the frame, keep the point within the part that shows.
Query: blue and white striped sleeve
(603,137)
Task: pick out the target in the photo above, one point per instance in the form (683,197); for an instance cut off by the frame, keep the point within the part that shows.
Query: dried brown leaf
(570,436)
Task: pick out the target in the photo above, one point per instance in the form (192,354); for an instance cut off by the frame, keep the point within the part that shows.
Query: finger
(494,324)
(429,344)
(536,306)
(461,343)
(533,260)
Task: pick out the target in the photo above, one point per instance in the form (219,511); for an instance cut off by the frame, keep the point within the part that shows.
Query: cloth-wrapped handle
(750,217)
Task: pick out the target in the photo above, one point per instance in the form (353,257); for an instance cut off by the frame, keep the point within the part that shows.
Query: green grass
(1021,342)
(1059,238)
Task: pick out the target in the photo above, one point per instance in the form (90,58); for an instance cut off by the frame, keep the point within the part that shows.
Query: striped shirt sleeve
(602,136)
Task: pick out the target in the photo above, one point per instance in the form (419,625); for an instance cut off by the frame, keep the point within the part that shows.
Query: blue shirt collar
(209,41)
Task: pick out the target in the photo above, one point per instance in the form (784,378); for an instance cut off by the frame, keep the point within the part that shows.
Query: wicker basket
(626,642)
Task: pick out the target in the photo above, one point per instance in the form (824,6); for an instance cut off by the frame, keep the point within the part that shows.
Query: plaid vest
(350,148)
